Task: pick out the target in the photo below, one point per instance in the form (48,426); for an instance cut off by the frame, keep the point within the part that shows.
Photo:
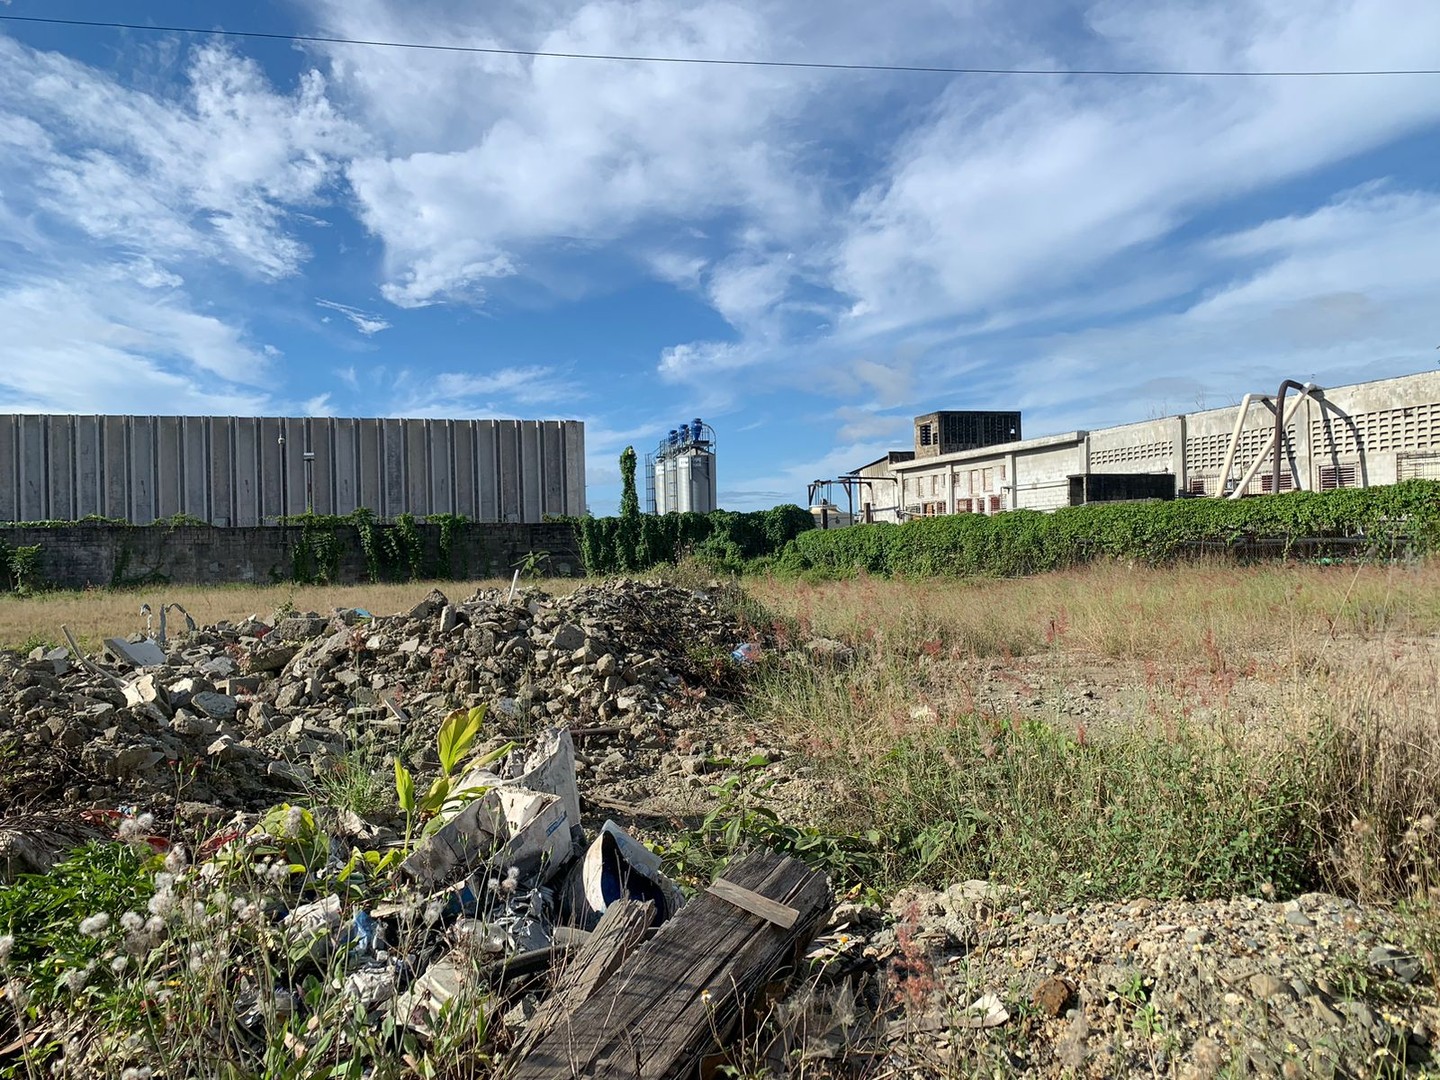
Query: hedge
(1028,541)
(727,539)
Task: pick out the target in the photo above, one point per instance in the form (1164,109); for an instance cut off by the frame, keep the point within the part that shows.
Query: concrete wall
(1361,435)
(240,471)
(77,556)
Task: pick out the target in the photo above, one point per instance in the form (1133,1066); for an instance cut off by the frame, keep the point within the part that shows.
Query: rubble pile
(241,715)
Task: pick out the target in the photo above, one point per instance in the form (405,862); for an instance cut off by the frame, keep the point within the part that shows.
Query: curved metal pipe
(1280,420)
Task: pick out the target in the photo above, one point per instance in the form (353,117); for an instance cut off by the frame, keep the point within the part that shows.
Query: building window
(934,485)
(1267,482)
(927,435)
(1337,476)
(974,482)
(989,477)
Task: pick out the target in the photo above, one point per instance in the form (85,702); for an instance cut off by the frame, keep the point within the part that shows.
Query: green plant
(740,819)
(1403,516)
(532,564)
(23,562)
(453,741)
(355,783)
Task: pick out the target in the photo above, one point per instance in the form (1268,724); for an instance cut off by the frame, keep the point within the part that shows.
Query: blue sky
(806,259)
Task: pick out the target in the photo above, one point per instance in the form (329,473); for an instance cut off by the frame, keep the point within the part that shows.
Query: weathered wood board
(671,998)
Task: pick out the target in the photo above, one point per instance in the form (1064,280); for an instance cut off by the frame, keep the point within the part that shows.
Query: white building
(1361,435)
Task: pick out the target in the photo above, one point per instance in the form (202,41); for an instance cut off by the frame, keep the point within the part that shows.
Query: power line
(717,61)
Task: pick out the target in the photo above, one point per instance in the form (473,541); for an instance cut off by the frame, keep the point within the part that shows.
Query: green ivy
(1384,519)
(724,538)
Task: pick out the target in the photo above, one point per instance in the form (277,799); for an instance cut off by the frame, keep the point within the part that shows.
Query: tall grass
(1326,774)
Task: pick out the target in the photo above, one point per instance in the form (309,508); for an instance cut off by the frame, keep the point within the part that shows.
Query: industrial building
(680,471)
(1360,435)
(233,470)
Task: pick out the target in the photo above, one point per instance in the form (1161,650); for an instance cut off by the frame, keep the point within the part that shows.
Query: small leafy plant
(456,736)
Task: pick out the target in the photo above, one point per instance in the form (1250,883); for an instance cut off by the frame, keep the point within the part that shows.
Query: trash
(615,867)
(548,768)
(521,828)
(310,928)
(748,653)
(372,985)
(419,1007)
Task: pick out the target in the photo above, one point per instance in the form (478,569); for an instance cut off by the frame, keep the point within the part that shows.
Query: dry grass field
(91,616)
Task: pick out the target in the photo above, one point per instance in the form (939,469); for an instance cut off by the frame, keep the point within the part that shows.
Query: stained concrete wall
(241,471)
(82,555)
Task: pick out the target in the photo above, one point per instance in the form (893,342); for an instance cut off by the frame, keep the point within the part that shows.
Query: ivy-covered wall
(725,538)
(1376,520)
(311,548)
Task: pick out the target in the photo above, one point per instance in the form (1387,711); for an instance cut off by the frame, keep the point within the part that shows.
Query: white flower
(162,903)
(279,872)
(117,964)
(75,979)
(132,921)
(154,924)
(95,924)
(164,881)
(294,820)
(7,946)
(176,860)
(17,994)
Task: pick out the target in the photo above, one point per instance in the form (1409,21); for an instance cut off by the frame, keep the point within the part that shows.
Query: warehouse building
(233,470)
(1361,435)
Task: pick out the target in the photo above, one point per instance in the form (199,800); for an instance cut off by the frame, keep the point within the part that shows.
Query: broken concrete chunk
(216,706)
(139,654)
(433,602)
(144,690)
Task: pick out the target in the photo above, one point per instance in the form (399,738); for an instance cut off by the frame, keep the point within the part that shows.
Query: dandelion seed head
(7,946)
(119,963)
(162,904)
(164,880)
(95,924)
(154,924)
(177,859)
(132,921)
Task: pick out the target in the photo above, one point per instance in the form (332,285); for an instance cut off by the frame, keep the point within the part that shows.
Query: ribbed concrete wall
(231,470)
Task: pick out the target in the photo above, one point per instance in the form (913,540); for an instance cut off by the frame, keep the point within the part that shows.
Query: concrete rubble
(243,715)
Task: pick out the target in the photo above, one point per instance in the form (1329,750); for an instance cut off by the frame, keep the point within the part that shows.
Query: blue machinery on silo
(680,471)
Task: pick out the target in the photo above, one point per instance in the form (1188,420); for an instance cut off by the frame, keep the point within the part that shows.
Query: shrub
(1027,541)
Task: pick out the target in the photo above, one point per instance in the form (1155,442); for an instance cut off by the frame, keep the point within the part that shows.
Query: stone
(267,657)
(187,724)
(568,637)
(137,654)
(1398,964)
(216,706)
(1052,996)
(1266,987)
(145,690)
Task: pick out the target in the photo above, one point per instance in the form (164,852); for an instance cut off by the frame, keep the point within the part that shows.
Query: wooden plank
(615,936)
(681,993)
(782,915)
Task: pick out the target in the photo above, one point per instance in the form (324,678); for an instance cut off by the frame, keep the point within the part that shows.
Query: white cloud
(1342,294)
(1017,192)
(363,321)
(88,344)
(212,172)
(497,393)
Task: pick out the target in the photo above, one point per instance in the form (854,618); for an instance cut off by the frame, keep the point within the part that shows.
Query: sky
(806,259)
